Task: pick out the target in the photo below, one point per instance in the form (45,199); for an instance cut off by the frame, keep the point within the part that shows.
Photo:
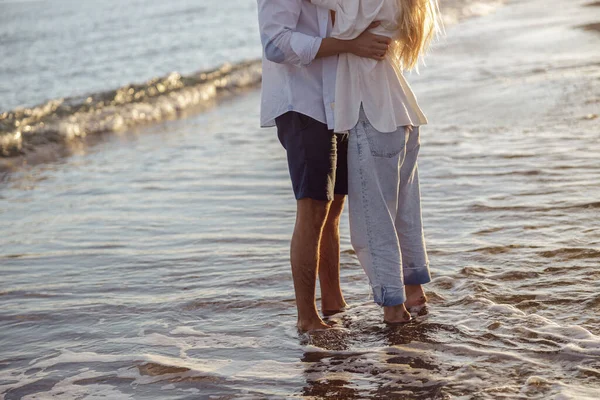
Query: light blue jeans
(384,199)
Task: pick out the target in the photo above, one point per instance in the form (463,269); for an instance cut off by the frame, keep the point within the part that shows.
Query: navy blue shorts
(317,157)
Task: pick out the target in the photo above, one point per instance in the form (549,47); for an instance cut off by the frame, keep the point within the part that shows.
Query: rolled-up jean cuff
(416,275)
(389,296)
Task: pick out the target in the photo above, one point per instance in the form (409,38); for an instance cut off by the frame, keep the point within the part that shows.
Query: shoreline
(59,138)
(34,133)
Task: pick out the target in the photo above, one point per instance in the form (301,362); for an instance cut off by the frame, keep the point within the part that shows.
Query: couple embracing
(349,122)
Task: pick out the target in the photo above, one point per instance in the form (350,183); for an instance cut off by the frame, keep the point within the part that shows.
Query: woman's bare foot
(415,296)
(307,326)
(395,315)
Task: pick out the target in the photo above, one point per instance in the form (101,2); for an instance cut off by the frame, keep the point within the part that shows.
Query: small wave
(515,276)
(456,11)
(571,253)
(484,207)
(595,27)
(199,10)
(154,369)
(501,249)
(59,121)
(27,294)
(479,207)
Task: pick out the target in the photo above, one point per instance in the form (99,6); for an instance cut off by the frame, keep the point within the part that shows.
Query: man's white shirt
(293,80)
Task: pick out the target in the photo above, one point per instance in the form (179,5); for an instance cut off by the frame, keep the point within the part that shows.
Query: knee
(335,210)
(312,213)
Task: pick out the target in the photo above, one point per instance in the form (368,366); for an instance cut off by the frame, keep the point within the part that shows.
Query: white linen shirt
(293,80)
(379,86)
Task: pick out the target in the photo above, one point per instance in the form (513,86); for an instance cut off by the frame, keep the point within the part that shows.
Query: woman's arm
(366,45)
(283,44)
(353,17)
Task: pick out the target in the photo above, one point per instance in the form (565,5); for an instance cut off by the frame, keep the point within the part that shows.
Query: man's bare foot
(415,296)
(307,326)
(395,315)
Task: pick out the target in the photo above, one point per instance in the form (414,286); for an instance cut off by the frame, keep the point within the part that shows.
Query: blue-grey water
(52,49)
(152,262)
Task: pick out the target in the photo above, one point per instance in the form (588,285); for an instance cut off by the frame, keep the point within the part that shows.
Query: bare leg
(332,299)
(310,220)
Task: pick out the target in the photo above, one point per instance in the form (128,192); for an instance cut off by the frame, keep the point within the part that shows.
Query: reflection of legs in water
(320,364)
(332,299)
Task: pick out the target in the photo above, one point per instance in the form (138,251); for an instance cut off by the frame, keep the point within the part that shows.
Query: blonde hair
(419,22)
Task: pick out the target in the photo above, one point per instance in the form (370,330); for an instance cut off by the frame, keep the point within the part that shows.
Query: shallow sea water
(154,263)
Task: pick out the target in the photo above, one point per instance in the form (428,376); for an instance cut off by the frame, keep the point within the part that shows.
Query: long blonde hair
(419,22)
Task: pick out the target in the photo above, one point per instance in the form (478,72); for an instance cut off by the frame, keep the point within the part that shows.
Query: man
(299,68)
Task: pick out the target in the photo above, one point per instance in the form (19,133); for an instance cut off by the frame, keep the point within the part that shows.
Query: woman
(375,103)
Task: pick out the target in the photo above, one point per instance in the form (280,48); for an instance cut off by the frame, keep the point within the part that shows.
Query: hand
(370,45)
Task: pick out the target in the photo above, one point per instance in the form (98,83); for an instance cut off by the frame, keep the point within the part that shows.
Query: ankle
(394,309)
(413,291)
(333,304)
(397,313)
(415,297)
(311,325)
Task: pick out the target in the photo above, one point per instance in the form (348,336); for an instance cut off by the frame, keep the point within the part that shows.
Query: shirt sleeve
(281,42)
(352,17)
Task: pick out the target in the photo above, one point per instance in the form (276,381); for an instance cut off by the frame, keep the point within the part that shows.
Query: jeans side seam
(363,186)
